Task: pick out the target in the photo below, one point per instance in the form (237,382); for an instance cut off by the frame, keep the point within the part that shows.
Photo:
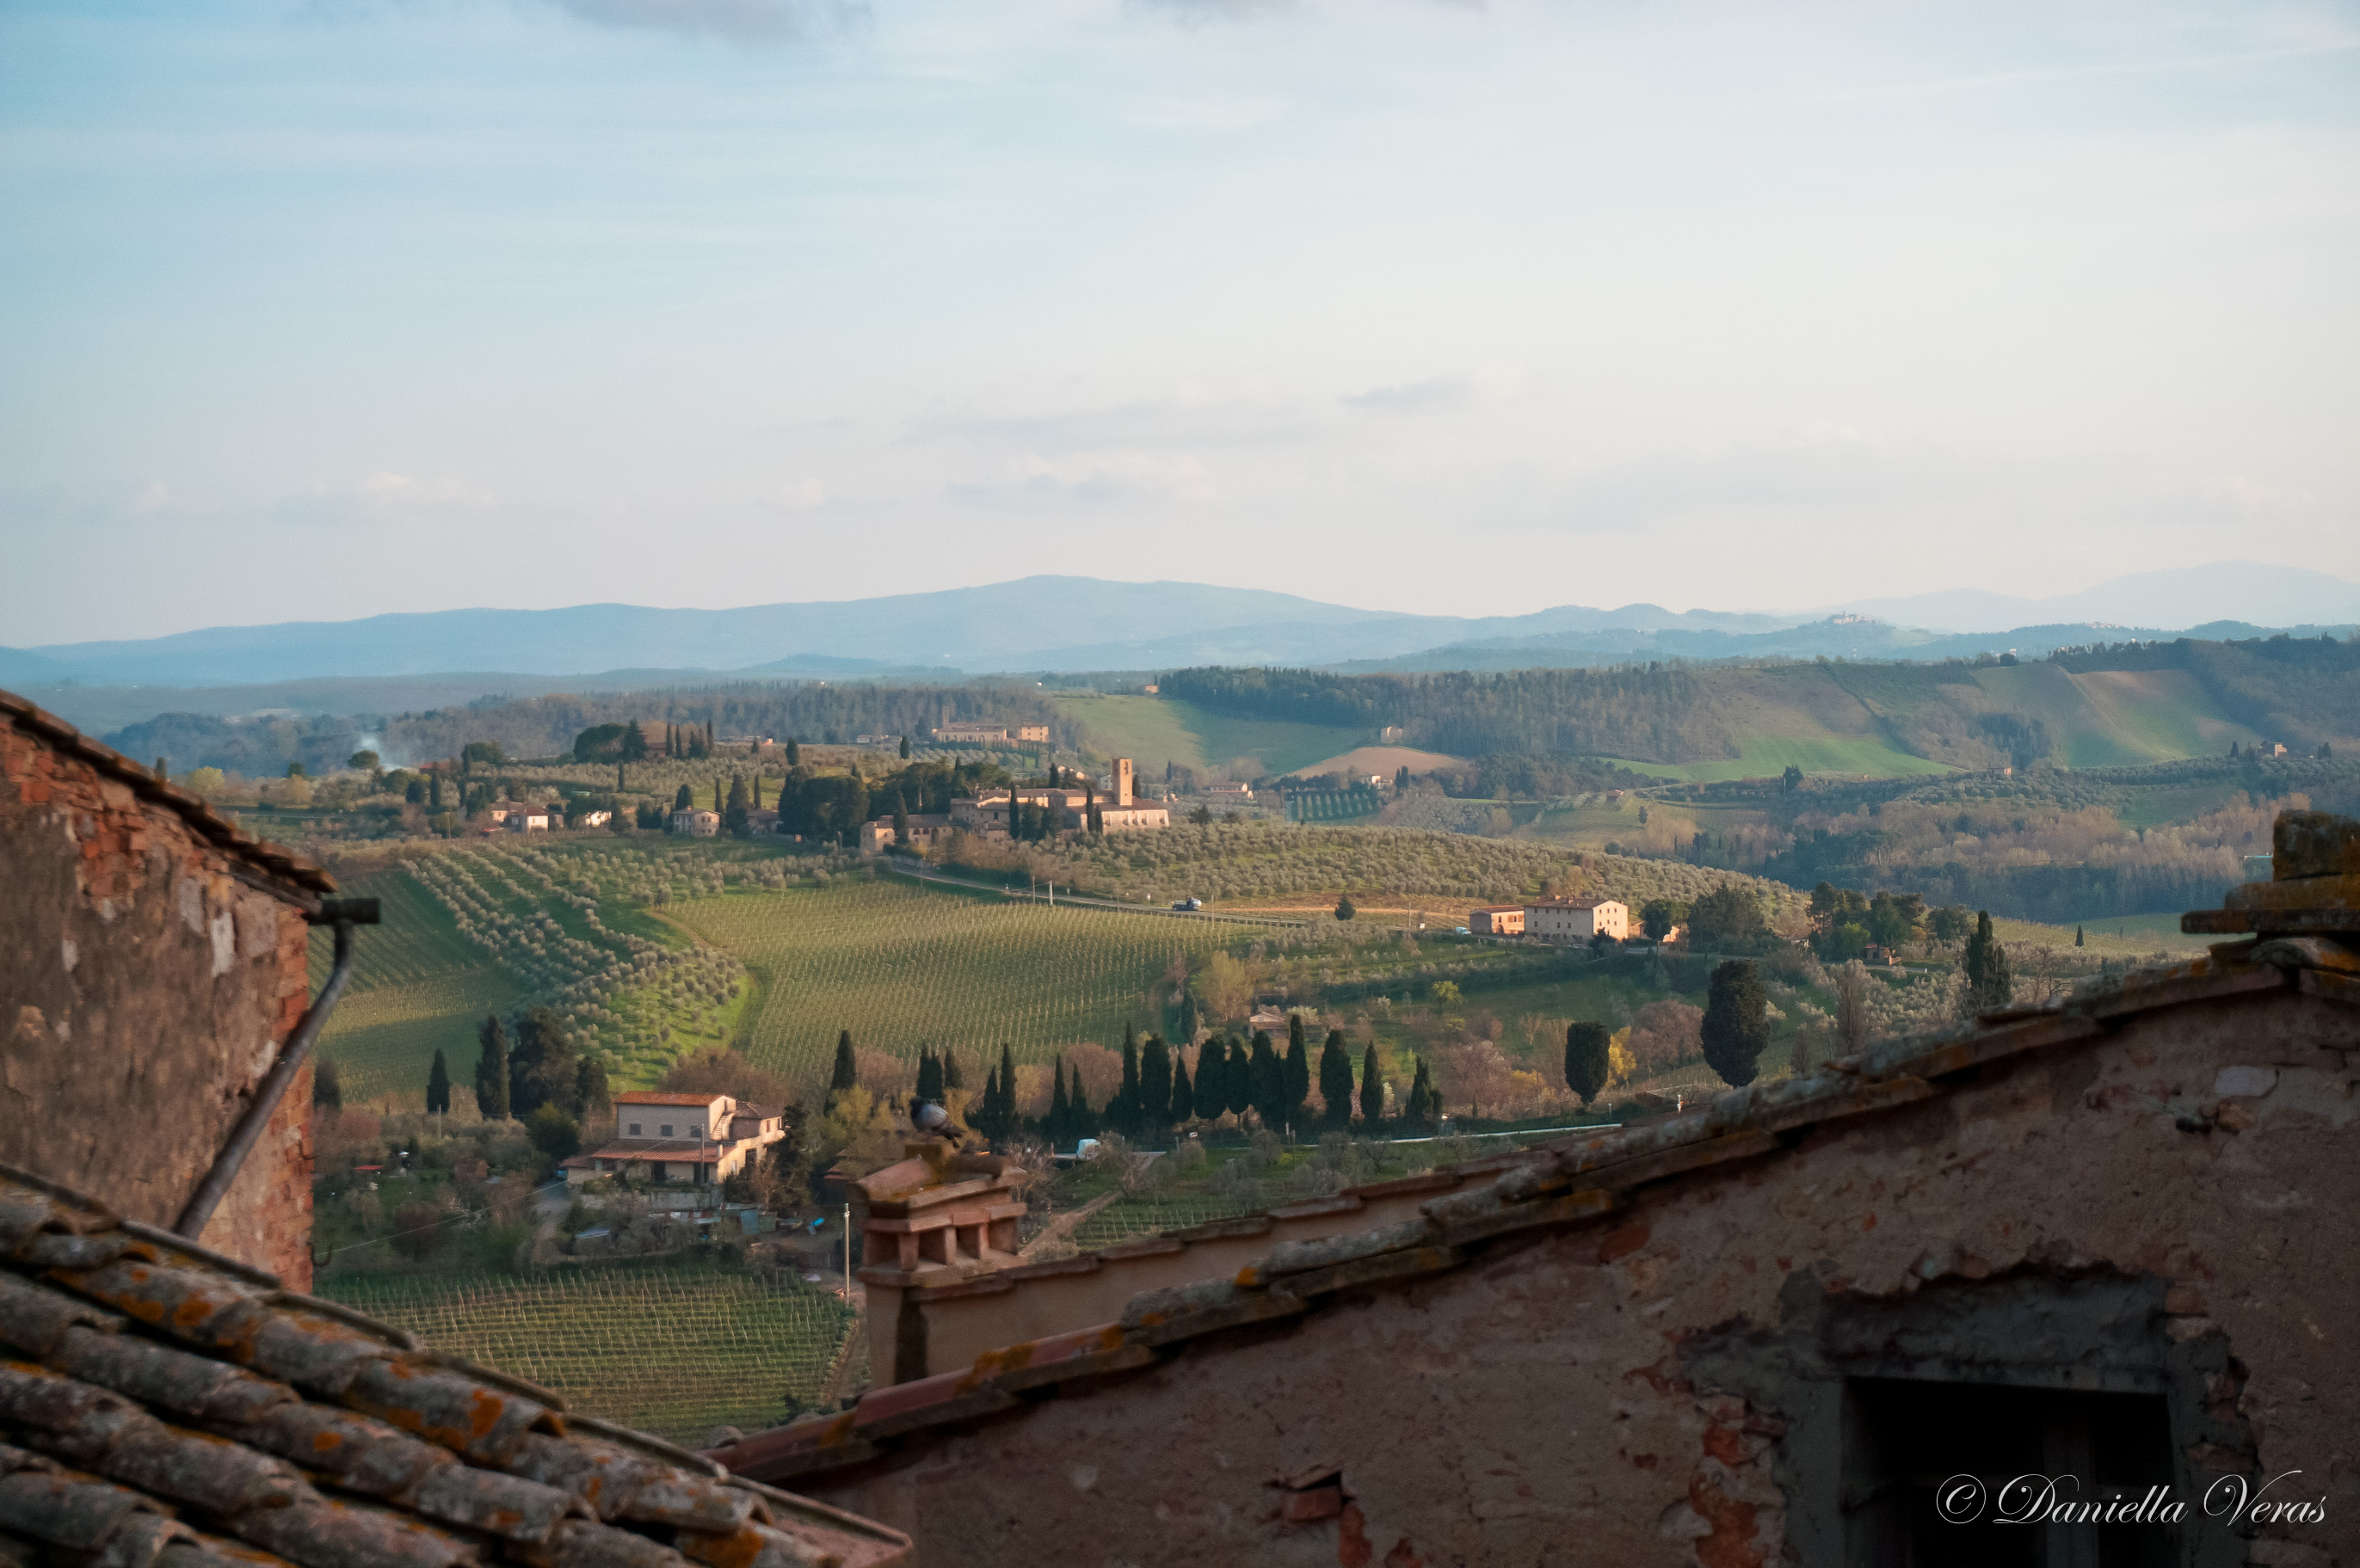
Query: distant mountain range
(1071,623)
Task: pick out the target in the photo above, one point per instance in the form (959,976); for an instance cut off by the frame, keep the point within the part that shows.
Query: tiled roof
(298,875)
(1581,1181)
(661,1097)
(168,1408)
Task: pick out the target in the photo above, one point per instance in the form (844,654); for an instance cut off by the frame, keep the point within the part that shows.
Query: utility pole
(847,1255)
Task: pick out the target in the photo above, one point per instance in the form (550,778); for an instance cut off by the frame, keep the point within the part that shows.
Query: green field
(2112,936)
(1767,755)
(900,966)
(417,984)
(670,1349)
(1156,730)
(2116,718)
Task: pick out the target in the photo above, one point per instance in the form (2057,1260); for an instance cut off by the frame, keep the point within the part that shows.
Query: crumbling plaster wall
(1614,1393)
(144,991)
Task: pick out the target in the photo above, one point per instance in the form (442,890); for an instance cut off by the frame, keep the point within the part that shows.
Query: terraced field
(898,966)
(674,1350)
(1156,730)
(417,984)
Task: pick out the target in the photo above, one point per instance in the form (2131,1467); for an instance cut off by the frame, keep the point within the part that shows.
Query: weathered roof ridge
(159,1407)
(283,865)
(1573,1182)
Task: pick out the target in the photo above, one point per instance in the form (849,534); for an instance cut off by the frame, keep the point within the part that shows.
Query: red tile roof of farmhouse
(662,1097)
(1587,1179)
(1564,903)
(171,1408)
(283,865)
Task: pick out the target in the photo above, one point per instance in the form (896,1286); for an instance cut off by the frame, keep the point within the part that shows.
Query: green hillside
(901,965)
(418,985)
(1156,730)
(2116,718)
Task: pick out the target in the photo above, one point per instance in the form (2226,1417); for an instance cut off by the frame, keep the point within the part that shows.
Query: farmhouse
(661,1137)
(696,824)
(877,837)
(2054,1241)
(1224,790)
(972,734)
(1118,812)
(1496,920)
(526,819)
(1576,920)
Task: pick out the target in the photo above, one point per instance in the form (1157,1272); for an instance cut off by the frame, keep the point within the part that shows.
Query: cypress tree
(794,753)
(1736,1025)
(1990,987)
(1154,1081)
(1242,1081)
(1011,1122)
(434,790)
(590,1091)
(327,1089)
(438,1085)
(716,794)
(1184,1098)
(930,1076)
(1298,1067)
(1189,1020)
(685,801)
(1268,1079)
(905,749)
(1588,1059)
(1213,1078)
(492,1070)
(953,1078)
(1372,1087)
(1125,1111)
(2076,936)
(1060,1113)
(848,1070)
(987,1119)
(1336,1079)
(1425,1105)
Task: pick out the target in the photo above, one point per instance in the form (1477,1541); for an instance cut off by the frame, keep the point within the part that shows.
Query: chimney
(1122,781)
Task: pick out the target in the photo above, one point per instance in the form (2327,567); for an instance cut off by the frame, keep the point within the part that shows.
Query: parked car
(1187,903)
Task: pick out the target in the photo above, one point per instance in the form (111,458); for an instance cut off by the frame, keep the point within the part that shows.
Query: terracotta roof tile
(168,1409)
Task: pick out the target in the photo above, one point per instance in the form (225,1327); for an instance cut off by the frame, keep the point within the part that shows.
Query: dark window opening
(1905,1438)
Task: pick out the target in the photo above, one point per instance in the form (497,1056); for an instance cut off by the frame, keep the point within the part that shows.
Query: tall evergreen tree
(1154,1083)
(905,749)
(542,1064)
(438,1085)
(1425,1105)
(1184,1098)
(685,801)
(1060,1113)
(1011,1121)
(930,1076)
(434,790)
(1589,1050)
(1189,1020)
(1990,987)
(794,753)
(1372,1087)
(847,1069)
(492,1070)
(1242,1078)
(953,1076)
(1267,1075)
(327,1089)
(1336,1079)
(1125,1111)
(2076,936)
(592,1100)
(1086,1121)
(1296,1088)
(1213,1078)
(987,1115)
(1736,1022)
(900,818)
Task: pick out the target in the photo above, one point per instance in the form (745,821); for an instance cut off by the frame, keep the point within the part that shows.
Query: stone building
(662,1136)
(1576,920)
(152,963)
(2107,1241)
(1496,920)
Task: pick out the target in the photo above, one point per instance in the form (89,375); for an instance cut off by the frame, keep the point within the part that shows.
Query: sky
(323,308)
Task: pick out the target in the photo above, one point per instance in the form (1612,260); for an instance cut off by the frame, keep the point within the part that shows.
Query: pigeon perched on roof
(932,1120)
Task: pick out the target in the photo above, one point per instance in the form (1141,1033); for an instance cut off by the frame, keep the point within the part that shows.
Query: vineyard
(674,1350)
(899,967)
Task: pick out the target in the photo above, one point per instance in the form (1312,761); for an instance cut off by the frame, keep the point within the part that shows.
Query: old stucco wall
(144,991)
(1643,1390)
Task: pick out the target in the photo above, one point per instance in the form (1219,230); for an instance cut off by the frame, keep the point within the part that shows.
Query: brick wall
(148,976)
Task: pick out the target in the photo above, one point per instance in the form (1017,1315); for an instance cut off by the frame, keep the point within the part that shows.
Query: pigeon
(931,1118)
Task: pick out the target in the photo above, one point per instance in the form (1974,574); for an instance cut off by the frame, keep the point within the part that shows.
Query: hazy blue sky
(318,311)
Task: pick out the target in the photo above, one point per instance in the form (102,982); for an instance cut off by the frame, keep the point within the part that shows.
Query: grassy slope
(676,1350)
(900,965)
(1155,730)
(417,984)
(1765,756)
(2116,718)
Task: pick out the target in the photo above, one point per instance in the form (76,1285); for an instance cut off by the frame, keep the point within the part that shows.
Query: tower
(1122,772)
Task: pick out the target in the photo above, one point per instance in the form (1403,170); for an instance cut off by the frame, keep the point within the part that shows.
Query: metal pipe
(343,914)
